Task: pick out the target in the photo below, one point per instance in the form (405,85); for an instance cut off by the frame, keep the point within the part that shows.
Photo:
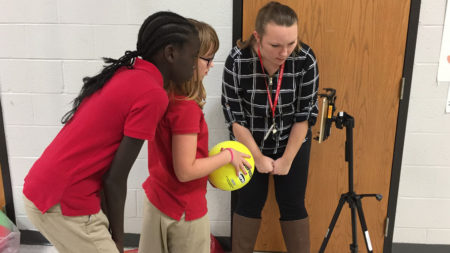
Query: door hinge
(402,88)
(386,228)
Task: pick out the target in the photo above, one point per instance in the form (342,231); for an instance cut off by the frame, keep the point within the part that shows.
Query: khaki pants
(162,234)
(72,234)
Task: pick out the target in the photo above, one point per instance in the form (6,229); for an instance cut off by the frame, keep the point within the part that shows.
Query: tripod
(353,199)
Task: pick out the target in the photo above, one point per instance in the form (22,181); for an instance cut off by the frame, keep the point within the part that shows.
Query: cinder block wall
(424,197)
(47,46)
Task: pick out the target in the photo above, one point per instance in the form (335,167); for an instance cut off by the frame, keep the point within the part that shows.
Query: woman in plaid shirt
(269,99)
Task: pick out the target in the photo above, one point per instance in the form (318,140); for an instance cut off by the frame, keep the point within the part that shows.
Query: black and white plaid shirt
(244,95)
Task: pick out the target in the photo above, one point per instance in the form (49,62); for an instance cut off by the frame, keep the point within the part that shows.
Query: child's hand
(239,162)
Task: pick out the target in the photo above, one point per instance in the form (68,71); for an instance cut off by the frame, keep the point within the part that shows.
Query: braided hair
(158,30)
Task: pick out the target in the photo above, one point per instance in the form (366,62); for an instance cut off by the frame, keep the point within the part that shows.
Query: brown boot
(296,235)
(244,233)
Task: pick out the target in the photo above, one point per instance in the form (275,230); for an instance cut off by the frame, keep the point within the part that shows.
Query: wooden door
(360,48)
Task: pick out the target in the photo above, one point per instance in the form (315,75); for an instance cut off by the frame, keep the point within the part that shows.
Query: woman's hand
(281,166)
(264,164)
(239,161)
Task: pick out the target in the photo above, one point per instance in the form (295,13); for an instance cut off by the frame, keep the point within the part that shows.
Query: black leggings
(289,189)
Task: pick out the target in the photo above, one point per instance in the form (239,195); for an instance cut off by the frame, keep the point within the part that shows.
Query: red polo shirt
(162,187)
(70,170)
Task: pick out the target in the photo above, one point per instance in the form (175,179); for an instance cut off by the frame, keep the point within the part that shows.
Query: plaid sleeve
(307,108)
(231,99)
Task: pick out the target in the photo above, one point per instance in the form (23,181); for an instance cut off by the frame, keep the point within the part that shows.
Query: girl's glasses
(208,60)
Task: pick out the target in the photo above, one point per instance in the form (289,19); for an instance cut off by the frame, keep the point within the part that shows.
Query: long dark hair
(157,31)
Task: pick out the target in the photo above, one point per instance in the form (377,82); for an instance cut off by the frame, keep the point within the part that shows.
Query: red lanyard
(280,78)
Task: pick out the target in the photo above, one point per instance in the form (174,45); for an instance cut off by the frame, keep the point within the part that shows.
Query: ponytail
(95,83)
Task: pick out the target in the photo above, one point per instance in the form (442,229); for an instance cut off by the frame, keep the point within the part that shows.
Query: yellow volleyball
(225,177)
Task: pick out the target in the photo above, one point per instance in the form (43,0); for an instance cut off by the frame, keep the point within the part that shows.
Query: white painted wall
(423,210)
(47,46)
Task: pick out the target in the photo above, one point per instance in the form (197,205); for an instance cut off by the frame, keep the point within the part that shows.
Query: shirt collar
(150,68)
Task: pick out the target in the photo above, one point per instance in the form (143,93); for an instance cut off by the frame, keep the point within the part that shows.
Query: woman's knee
(250,208)
(293,212)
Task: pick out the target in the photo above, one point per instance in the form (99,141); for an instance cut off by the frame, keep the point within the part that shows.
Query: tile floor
(50,249)
(37,249)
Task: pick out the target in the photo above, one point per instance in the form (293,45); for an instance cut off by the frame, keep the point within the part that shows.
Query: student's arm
(263,164)
(187,167)
(115,186)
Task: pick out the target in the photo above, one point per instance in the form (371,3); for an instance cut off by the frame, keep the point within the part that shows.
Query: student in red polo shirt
(175,219)
(114,113)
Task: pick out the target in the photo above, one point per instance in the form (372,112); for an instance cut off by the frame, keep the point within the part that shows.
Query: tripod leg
(364,226)
(333,223)
(354,245)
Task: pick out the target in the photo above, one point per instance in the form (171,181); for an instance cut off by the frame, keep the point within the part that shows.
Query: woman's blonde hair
(273,12)
(194,89)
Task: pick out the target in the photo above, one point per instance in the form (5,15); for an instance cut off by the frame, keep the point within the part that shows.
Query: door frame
(413,25)
(9,201)
(408,66)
